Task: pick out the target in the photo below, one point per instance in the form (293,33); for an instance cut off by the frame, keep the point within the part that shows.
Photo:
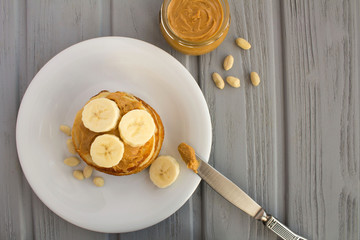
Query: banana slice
(136,127)
(100,115)
(164,171)
(107,150)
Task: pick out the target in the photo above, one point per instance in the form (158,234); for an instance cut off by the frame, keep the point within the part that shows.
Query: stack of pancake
(134,159)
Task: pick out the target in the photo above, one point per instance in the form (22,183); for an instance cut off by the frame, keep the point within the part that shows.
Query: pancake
(135,159)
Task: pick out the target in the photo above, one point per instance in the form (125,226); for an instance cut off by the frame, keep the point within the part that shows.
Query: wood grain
(322,98)
(244,124)
(15,194)
(292,143)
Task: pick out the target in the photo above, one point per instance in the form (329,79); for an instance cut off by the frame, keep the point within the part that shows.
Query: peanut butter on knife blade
(188,155)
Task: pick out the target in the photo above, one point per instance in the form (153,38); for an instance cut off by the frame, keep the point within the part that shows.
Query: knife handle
(280,229)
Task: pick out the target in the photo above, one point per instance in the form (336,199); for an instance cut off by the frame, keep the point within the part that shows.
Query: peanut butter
(135,159)
(194,27)
(188,155)
(195,20)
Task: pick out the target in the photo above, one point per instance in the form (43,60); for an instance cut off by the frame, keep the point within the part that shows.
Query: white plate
(61,88)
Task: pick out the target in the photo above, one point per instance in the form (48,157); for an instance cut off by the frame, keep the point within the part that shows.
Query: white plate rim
(33,84)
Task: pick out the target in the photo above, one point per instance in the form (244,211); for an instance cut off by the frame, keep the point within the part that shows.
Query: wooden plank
(321,82)
(51,27)
(15,193)
(246,139)
(140,21)
(314,97)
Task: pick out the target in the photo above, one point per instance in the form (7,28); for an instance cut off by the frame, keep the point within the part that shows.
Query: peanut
(255,79)
(233,81)
(243,43)
(70,146)
(218,80)
(98,181)
(87,171)
(78,175)
(228,62)
(65,129)
(72,161)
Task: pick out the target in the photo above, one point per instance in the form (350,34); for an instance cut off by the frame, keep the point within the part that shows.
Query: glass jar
(194,47)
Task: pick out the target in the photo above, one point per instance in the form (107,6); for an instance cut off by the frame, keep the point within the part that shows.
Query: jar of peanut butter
(194,27)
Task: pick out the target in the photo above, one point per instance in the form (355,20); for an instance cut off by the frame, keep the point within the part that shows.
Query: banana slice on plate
(136,127)
(100,115)
(107,150)
(164,171)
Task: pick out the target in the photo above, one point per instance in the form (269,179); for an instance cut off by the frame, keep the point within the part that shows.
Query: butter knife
(240,199)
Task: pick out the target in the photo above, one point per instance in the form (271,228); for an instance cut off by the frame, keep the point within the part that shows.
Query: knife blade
(231,192)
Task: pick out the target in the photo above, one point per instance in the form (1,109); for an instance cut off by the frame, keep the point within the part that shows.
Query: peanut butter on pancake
(135,159)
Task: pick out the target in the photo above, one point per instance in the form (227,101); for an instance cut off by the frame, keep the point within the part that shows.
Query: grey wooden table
(292,143)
